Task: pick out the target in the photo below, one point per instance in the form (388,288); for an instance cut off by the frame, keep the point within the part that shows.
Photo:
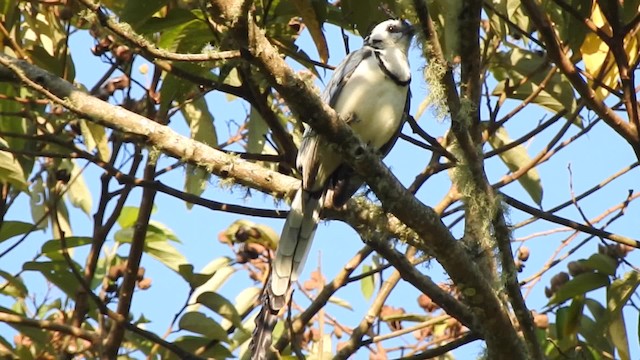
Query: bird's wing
(314,152)
(343,73)
(345,182)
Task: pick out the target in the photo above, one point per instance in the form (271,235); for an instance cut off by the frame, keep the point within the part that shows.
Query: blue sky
(592,159)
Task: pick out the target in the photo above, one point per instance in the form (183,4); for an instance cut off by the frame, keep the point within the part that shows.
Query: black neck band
(389,73)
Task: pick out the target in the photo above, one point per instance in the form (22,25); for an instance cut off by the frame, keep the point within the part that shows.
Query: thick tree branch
(161,137)
(465,120)
(358,212)
(479,294)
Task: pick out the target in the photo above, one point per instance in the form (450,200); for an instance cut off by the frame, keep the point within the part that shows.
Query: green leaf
(621,290)
(36,334)
(561,321)
(629,10)
(156,244)
(175,90)
(579,285)
(9,229)
(245,300)
(138,342)
(78,192)
(367,284)
(308,14)
(241,337)
(188,37)
(406,317)
(215,265)
(515,159)
(298,54)
(221,272)
(63,223)
(529,67)
(618,294)
(445,15)
(128,216)
(585,351)
(166,254)
(200,121)
(38,208)
(219,278)
(340,302)
(574,315)
(55,64)
(199,323)
(193,343)
(175,17)
(592,333)
(220,305)
(257,129)
(57,272)
(570,27)
(10,169)
(53,248)
(194,279)
(201,124)
(18,124)
(95,137)
(602,263)
(137,13)
(14,286)
(163,231)
(596,309)
(364,21)
(8,9)
(6,346)
(55,306)
(155,232)
(618,335)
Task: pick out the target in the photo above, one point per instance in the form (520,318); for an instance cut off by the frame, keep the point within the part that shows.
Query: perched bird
(370,88)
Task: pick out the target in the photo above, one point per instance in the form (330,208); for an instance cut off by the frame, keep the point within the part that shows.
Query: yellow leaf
(595,54)
(306,10)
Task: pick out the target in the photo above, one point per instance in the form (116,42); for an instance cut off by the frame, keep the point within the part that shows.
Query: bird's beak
(409,29)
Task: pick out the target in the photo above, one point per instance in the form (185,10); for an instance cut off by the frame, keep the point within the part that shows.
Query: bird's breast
(376,101)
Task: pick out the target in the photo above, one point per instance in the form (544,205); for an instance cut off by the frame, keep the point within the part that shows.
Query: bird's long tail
(291,254)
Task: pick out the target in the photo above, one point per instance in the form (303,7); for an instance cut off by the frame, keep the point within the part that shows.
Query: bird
(370,89)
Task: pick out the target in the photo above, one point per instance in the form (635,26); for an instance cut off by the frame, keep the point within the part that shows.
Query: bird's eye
(392,28)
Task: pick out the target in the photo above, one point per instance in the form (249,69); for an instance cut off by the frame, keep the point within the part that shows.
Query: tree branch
(125,32)
(435,237)
(50,325)
(570,223)
(162,137)
(116,333)
(355,340)
(557,55)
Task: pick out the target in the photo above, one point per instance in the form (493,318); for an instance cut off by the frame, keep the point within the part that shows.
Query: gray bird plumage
(371,88)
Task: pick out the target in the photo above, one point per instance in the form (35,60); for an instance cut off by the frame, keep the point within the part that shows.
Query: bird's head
(390,33)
